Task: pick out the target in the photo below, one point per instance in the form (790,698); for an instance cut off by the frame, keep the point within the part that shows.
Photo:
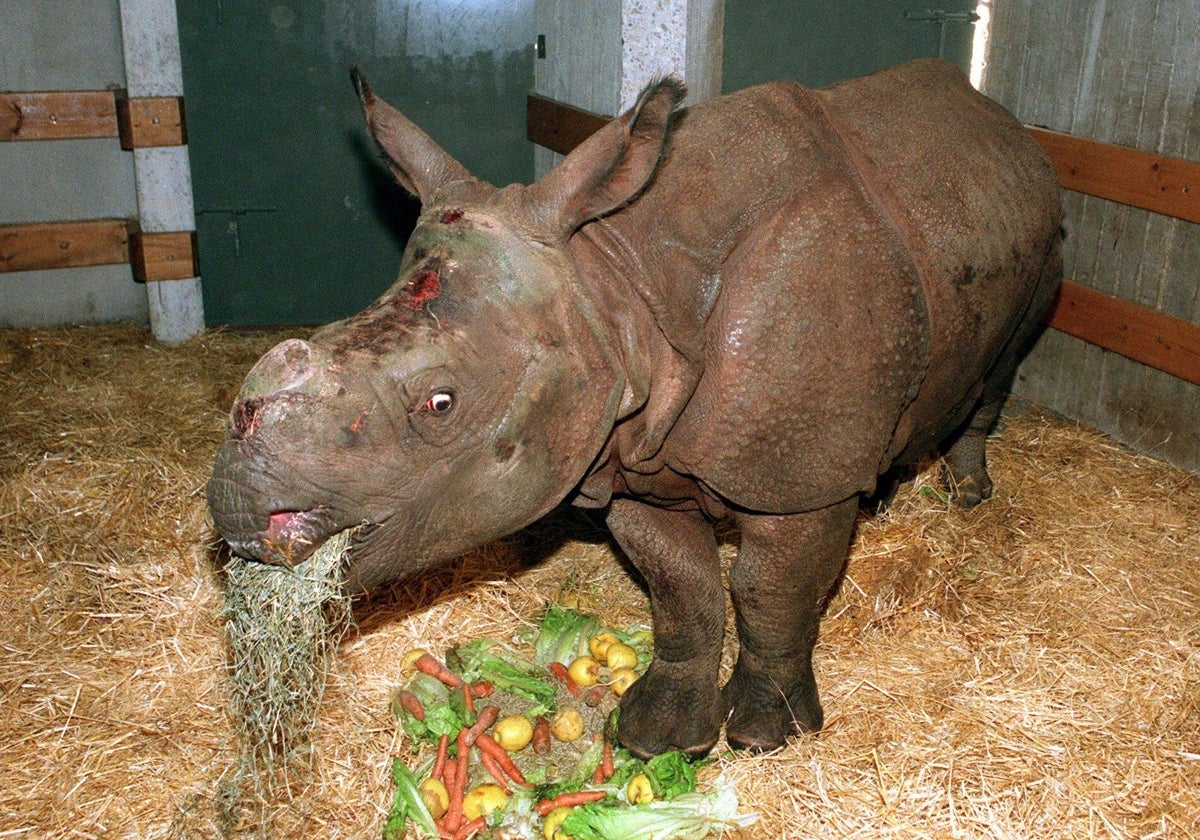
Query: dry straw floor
(1029,669)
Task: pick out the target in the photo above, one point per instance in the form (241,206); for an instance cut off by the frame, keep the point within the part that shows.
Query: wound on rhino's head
(470,398)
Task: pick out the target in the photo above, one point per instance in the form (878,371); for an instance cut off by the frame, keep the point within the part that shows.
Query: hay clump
(282,626)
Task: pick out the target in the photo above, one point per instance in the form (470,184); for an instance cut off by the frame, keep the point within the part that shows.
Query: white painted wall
(600,54)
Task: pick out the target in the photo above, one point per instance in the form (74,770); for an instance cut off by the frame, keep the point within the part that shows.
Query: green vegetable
(445,711)
(689,816)
(407,804)
(563,635)
(671,774)
(482,660)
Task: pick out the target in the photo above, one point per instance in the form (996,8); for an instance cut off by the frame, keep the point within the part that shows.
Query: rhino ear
(420,165)
(611,167)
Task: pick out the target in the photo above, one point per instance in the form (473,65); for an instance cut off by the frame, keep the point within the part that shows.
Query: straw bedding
(1027,669)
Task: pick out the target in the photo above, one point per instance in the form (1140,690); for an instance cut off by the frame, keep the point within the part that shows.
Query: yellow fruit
(436,797)
(622,678)
(550,827)
(598,645)
(642,638)
(621,656)
(639,790)
(567,724)
(408,665)
(585,671)
(513,732)
(483,800)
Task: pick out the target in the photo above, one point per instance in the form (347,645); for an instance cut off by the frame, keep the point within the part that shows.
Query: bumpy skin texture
(754,308)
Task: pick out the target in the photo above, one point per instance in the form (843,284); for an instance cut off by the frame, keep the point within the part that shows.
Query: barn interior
(184,183)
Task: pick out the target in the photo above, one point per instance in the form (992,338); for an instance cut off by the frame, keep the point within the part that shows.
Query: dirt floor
(1028,669)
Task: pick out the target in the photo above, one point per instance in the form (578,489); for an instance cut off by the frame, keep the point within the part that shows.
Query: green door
(298,221)
(819,42)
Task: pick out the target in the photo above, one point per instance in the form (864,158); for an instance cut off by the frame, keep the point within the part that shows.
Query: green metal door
(819,42)
(298,221)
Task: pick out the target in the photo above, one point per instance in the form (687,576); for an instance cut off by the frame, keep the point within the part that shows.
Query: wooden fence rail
(138,122)
(1165,185)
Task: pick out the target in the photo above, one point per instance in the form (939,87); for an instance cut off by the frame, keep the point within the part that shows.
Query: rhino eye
(439,403)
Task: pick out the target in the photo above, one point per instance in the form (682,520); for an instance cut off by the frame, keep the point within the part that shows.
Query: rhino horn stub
(610,168)
(419,164)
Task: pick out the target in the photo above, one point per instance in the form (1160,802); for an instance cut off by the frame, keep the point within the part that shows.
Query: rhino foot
(670,708)
(762,713)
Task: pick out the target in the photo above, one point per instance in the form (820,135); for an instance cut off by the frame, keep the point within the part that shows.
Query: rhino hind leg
(785,569)
(676,704)
(966,476)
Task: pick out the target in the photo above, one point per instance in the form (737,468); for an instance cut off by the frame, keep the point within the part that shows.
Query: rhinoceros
(756,308)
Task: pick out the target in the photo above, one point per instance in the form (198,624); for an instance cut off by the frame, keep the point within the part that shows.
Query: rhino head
(469,399)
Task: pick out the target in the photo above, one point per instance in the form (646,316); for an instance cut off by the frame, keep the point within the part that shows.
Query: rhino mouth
(290,536)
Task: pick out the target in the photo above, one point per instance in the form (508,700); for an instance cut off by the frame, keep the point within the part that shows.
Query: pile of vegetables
(524,747)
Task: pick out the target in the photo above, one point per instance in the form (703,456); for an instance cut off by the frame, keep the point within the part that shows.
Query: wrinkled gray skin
(753,309)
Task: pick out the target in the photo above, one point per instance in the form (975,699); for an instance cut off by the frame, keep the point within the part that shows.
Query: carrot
(497,772)
(604,769)
(570,800)
(473,827)
(606,763)
(559,670)
(481,689)
(594,695)
(426,664)
(468,698)
(541,735)
(439,763)
(488,745)
(412,704)
(454,815)
(483,721)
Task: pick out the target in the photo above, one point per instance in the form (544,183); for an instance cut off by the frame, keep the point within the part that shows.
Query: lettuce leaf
(483,660)
(563,635)
(689,816)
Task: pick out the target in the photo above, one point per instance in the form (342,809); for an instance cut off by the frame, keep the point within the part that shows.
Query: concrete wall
(1124,72)
(52,45)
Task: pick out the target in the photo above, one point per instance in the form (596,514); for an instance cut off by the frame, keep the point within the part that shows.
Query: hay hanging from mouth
(282,626)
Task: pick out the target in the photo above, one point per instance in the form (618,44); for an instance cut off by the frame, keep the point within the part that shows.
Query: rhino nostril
(245,417)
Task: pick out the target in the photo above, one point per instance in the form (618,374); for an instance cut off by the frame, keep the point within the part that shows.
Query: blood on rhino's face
(470,398)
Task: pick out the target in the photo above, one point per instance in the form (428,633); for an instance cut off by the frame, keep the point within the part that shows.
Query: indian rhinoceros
(750,309)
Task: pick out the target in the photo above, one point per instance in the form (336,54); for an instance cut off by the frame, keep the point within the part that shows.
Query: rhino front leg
(676,704)
(785,569)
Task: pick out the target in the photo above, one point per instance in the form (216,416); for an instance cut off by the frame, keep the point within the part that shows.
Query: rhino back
(977,202)
(830,274)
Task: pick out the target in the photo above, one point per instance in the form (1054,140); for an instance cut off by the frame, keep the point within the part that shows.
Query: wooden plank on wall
(60,115)
(1166,185)
(63,245)
(146,121)
(1153,338)
(557,126)
(163,256)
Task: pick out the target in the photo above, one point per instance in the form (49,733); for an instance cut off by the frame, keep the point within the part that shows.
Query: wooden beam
(1137,332)
(163,256)
(557,126)
(63,245)
(66,115)
(146,121)
(1166,185)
